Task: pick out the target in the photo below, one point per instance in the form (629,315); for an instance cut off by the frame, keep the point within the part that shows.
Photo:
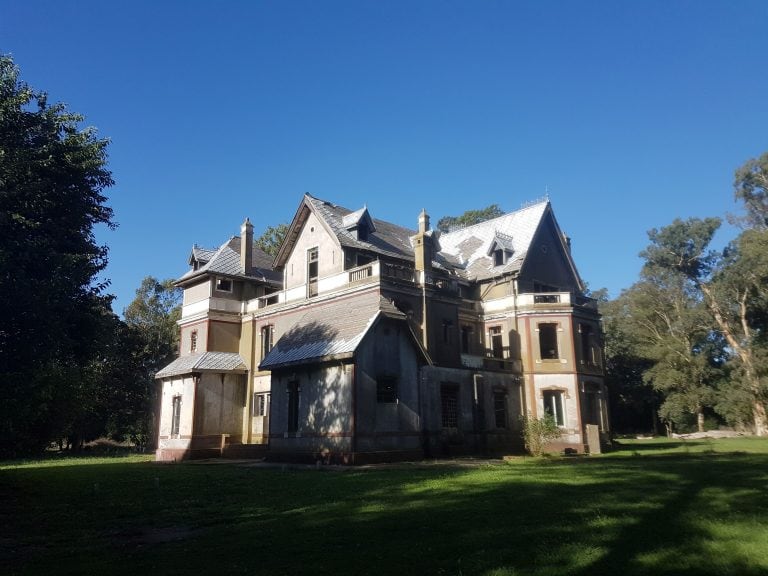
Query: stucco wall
(476,431)
(197,292)
(224,336)
(324,413)
(387,352)
(330,256)
(186,335)
(169,446)
(219,405)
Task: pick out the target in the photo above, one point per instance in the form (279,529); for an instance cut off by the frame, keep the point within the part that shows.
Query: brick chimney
(246,247)
(422,246)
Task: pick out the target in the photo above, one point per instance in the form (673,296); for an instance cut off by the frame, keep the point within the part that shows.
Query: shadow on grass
(698,514)
(665,445)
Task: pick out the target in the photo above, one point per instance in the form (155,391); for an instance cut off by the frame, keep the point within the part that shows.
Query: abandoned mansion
(362,340)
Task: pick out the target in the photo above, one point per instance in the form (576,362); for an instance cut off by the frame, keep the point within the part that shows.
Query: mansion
(362,341)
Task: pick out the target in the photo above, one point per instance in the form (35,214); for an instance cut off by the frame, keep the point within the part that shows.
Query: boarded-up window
(449,405)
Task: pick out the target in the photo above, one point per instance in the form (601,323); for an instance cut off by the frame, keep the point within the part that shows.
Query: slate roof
(225,261)
(334,329)
(204,362)
(388,239)
(470,247)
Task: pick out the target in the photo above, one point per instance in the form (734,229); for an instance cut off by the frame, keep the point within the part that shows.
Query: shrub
(537,433)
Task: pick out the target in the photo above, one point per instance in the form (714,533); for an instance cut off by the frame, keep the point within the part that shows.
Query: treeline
(70,369)
(687,345)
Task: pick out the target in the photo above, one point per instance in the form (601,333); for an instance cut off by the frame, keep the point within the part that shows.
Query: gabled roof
(225,261)
(357,218)
(333,330)
(514,232)
(204,362)
(385,238)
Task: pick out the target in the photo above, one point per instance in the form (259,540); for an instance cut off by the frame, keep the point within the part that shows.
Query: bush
(537,433)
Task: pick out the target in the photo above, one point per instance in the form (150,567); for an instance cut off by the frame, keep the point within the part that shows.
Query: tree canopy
(53,175)
(272,238)
(448,223)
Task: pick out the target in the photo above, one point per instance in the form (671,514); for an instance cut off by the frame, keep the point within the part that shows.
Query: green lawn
(652,507)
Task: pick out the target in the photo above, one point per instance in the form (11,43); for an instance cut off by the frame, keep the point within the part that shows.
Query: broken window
(548,341)
(553,405)
(193,341)
(497,343)
(223,284)
(312,271)
(498,257)
(261,404)
(176,416)
(386,390)
(447,326)
(449,405)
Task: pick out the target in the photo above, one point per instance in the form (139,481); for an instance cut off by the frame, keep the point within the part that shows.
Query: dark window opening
(176,416)
(497,343)
(267,333)
(449,405)
(466,339)
(548,341)
(588,355)
(498,257)
(553,405)
(223,284)
(293,406)
(447,326)
(363,259)
(386,390)
(500,408)
(312,271)
(193,341)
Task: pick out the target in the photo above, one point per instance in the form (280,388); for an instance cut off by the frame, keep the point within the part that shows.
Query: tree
(634,402)
(149,341)
(733,286)
(447,223)
(272,238)
(53,175)
(751,188)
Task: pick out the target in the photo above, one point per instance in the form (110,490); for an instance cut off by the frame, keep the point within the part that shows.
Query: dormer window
(223,285)
(501,249)
(359,224)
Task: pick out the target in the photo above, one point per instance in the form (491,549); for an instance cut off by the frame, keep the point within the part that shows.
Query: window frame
(556,401)
(450,406)
(176,415)
(218,285)
(543,329)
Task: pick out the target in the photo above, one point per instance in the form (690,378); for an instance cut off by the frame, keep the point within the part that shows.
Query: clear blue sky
(629,113)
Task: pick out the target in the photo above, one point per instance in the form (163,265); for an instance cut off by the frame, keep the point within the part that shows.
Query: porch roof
(204,362)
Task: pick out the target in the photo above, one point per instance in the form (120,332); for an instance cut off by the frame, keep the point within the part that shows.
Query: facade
(366,341)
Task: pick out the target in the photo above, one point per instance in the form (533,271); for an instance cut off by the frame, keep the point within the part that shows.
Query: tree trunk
(700,419)
(761,422)
(745,355)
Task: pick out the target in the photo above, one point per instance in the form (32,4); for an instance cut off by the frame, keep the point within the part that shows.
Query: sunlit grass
(651,507)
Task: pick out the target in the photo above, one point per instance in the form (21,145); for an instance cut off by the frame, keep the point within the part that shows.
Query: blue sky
(628,113)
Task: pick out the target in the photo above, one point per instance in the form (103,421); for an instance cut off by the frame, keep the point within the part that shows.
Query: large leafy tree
(149,341)
(733,287)
(53,175)
(448,223)
(272,238)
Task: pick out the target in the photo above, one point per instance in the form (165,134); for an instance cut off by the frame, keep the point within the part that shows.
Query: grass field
(652,507)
